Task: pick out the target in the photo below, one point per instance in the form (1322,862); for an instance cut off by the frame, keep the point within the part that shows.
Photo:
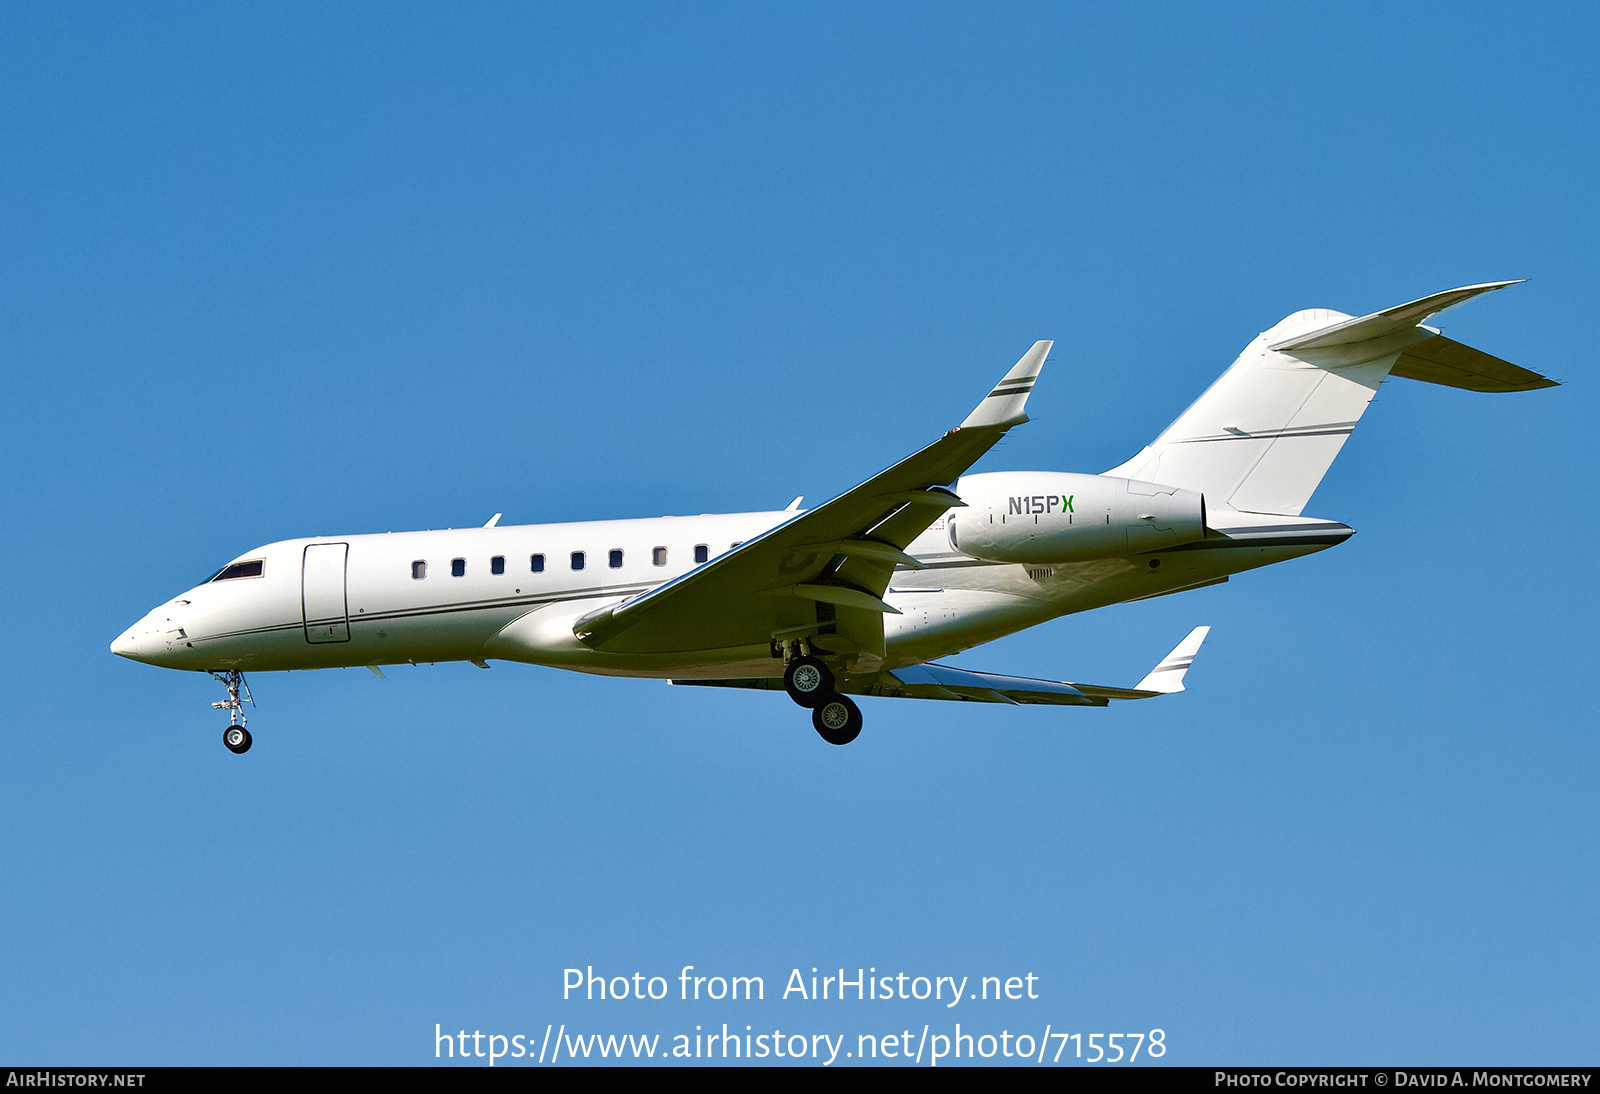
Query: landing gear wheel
(808,681)
(235,738)
(838,720)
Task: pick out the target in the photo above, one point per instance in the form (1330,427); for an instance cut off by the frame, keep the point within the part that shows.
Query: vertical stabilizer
(1261,438)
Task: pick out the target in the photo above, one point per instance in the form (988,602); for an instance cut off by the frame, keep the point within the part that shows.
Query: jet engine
(1053,516)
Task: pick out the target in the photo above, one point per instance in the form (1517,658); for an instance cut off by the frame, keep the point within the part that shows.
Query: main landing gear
(810,683)
(837,720)
(236,738)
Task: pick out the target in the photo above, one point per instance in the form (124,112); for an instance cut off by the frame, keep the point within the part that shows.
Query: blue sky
(309,270)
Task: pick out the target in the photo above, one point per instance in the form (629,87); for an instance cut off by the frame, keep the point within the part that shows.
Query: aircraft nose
(127,643)
(160,638)
(148,640)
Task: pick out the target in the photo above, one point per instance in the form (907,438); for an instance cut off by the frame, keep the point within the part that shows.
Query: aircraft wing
(822,574)
(933,681)
(942,682)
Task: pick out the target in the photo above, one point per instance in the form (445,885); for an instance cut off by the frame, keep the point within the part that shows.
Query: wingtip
(1167,677)
(1489,286)
(1004,406)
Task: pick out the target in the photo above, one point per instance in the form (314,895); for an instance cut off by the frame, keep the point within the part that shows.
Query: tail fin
(1261,438)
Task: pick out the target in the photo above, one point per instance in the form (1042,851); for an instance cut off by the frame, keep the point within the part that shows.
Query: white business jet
(861,595)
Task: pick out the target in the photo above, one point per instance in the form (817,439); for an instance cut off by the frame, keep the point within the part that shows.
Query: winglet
(1167,677)
(1003,406)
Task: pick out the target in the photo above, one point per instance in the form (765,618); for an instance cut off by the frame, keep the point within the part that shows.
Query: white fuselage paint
(289,617)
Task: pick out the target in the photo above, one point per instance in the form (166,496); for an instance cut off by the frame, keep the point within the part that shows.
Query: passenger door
(326,612)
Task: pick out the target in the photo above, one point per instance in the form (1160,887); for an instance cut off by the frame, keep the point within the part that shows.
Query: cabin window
(497,564)
(458,567)
(577,560)
(419,569)
(538,564)
(659,556)
(253,568)
(616,560)
(701,553)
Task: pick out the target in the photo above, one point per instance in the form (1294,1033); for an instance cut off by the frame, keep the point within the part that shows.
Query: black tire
(837,720)
(808,682)
(236,739)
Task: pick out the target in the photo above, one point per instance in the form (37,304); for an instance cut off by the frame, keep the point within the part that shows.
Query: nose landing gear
(236,738)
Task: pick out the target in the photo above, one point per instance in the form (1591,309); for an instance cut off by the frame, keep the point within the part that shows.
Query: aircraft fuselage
(415,597)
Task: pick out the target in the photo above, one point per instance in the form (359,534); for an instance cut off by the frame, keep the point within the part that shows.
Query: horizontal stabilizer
(1389,321)
(1439,360)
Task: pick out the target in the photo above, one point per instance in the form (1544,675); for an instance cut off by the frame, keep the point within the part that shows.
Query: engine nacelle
(1054,516)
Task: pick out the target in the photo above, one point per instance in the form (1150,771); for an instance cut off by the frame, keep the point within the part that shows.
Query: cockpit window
(253,568)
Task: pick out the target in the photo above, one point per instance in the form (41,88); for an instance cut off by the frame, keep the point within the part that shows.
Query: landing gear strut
(810,683)
(236,738)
